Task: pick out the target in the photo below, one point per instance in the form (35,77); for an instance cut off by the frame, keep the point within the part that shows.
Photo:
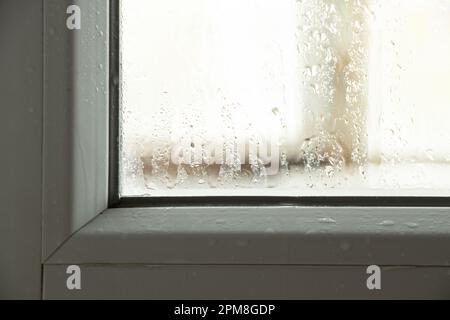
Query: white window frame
(182,252)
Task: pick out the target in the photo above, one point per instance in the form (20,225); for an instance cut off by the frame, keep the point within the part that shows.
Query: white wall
(20,148)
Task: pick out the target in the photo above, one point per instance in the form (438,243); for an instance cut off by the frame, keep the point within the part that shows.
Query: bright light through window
(285,97)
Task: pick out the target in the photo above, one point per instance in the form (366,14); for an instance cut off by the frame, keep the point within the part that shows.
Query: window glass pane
(291,97)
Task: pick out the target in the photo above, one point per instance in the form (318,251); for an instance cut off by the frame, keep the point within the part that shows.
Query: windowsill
(263,235)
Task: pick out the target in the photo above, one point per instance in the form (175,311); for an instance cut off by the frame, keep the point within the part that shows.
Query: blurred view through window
(285,97)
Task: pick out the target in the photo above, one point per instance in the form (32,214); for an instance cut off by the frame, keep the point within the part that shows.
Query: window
(222,248)
(284,98)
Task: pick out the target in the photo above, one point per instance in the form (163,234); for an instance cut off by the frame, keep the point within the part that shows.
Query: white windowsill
(263,235)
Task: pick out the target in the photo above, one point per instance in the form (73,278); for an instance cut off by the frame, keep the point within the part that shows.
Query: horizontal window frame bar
(264,201)
(262,235)
(111,281)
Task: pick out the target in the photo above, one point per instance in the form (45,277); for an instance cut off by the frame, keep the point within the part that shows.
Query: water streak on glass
(285,97)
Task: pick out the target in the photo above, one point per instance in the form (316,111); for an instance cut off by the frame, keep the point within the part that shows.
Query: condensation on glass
(285,97)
